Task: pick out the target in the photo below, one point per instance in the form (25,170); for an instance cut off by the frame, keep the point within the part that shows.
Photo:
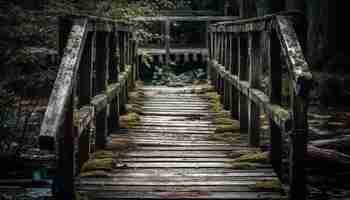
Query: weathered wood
(54,115)
(113,77)
(167,42)
(243,76)
(254,81)
(278,114)
(186,18)
(173,154)
(102,64)
(291,48)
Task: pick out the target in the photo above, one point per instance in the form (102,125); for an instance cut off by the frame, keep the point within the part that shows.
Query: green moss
(268,185)
(213,96)
(261,157)
(244,165)
(225,121)
(95,174)
(129,120)
(106,164)
(226,128)
(133,108)
(102,154)
(231,138)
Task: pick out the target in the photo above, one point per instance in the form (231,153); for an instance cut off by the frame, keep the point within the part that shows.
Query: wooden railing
(239,51)
(98,67)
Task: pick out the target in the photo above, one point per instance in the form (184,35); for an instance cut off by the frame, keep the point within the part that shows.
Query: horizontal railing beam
(280,116)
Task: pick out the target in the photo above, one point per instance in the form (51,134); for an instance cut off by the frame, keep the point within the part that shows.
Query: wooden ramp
(175,157)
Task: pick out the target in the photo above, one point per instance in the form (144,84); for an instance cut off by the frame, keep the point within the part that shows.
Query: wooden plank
(169,131)
(184,149)
(181,154)
(166,128)
(187,195)
(162,188)
(187,159)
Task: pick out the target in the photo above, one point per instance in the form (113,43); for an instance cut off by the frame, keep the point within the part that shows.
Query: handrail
(97,69)
(239,50)
(64,82)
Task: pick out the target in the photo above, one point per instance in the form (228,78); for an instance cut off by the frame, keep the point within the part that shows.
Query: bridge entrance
(117,139)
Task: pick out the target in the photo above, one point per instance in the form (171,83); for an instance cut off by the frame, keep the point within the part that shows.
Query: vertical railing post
(298,148)
(235,55)
(122,63)
(63,185)
(113,77)
(254,82)
(229,69)
(101,70)
(243,76)
(224,59)
(275,74)
(221,80)
(86,92)
(167,42)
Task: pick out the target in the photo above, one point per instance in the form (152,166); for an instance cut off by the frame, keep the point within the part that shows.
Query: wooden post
(63,185)
(229,69)
(298,149)
(254,82)
(273,49)
(167,42)
(102,45)
(122,47)
(113,118)
(235,55)
(85,94)
(224,63)
(121,51)
(243,76)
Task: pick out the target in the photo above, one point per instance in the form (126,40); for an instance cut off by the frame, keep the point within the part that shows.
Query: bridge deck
(175,157)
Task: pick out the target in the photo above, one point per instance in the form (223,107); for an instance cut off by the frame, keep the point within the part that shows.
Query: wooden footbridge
(171,152)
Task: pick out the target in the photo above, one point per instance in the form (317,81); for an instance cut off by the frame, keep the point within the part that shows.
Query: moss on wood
(226,128)
(106,164)
(102,154)
(128,120)
(121,144)
(95,174)
(268,185)
(244,165)
(260,157)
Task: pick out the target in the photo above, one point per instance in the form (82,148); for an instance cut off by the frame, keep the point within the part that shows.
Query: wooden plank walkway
(175,158)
